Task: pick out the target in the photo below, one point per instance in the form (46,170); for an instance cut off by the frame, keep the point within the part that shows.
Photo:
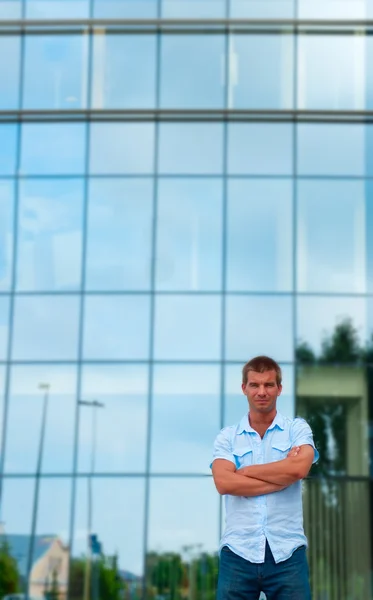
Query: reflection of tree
(107,581)
(52,591)
(9,575)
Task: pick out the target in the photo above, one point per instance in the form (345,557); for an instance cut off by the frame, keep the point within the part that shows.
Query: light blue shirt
(276,517)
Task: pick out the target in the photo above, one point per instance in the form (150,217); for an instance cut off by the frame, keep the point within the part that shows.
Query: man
(258,466)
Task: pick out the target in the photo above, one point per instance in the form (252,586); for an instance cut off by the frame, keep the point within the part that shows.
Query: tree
(9,575)
(105,575)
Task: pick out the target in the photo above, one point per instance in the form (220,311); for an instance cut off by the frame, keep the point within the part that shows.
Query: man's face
(262,391)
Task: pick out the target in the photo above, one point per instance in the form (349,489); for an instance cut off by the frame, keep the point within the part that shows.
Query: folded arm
(229,481)
(283,472)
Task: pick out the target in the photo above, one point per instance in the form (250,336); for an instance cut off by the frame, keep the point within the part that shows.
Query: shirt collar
(244,424)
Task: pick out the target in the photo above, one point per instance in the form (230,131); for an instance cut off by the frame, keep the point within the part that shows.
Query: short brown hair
(261,364)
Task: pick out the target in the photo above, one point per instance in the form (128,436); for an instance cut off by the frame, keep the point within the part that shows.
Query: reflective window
(187,327)
(192,71)
(191,148)
(4,326)
(332,231)
(125,9)
(260,149)
(119,531)
(122,148)
(333,9)
(10,60)
(331,72)
(117,327)
(10,9)
(55,9)
(25,415)
(260,216)
(185,417)
(53,149)
(6,233)
(193,9)
(45,328)
(50,234)
(258,325)
(119,234)
(2,392)
(8,148)
(117,61)
(261,71)
(55,67)
(189,239)
(262,9)
(114,434)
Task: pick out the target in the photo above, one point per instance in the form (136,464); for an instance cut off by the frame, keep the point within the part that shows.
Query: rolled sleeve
(223,447)
(302,434)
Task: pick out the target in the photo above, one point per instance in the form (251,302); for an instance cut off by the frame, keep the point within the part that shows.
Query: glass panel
(236,404)
(125,9)
(10,9)
(333,9)
(46,328)
(193,9)
(117,327)
(6,233)
(8,148)
(2,392)
(254,207)
(49,551)
(50,234)
(118,148)
(261,71)
(179,323)
(113,435)
(331,72)
(10,61)
(257,325)
(185,417)
(189,240)
(119,536)
(55,72)
(119,234)
(4,326)
(262,9)
(25,415)
(117,61)
(191,148)
(55,9)
(53,149)
(192,71)
(260,148)
(332,223)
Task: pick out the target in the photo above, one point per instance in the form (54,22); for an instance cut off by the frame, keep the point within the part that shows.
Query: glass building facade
(184,184)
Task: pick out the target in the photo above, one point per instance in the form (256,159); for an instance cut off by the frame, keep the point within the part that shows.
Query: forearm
(236,484)
(282,472)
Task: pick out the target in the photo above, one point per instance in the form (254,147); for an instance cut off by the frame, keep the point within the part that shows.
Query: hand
(294,452)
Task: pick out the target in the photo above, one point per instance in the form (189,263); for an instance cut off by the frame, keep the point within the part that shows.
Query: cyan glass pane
(53,149)
(117,62)
(333,9)
(185,419)
(191,148)
(8,148)
(50,234)
(25,414)
(256,206)
(6,233)
(117,327)
(4,326)
(332,229)
(2,392)
(57,9)
(121,148)
(10,61)
(260,148)
(236,404)
(190,502)
(262,9)
(55,72)
(261,71)
(104,499)
(257,325)
(46,328)
(192,71)
(125,9)
(189,239)
(193,9)
(114,435)
(188,327)
(331,74)
(10,9)
(119,234)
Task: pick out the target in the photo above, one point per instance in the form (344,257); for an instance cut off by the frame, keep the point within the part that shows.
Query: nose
(262,391)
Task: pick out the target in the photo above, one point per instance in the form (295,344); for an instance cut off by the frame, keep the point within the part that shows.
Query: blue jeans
(240,579)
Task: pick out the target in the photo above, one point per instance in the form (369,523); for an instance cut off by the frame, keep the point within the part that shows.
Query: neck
(256,418)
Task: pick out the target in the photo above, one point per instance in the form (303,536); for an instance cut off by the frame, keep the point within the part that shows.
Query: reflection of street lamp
(94,404)
(45,387)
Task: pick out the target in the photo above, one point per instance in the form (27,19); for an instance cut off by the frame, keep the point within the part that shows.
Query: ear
(279,390)
(243,388)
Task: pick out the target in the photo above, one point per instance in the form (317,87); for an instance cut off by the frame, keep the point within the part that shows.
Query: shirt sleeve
(223,447)
(302,434)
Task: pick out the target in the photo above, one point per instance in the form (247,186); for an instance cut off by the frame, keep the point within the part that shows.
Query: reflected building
(183,185)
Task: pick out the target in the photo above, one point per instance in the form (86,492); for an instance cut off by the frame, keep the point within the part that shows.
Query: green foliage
(105,581)
(9,575)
